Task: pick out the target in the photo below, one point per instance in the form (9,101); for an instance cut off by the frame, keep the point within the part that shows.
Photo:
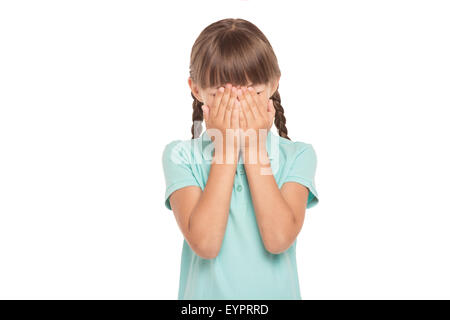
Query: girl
(238,198)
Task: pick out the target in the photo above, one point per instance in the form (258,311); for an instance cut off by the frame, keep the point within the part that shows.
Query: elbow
(276,247)
(275,250)
(201,245)
(206,251)
(207,254)
(278,241)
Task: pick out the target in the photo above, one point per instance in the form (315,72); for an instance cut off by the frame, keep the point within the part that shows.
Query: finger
(245,107)
(231,101)
(216,102)
(224,102)
(243,126)
(205,110)
(232,98)
(252,106)
(235,115)
(242,121)
(255,101)
(228,114)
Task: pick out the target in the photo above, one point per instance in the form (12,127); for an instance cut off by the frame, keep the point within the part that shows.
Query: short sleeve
(303,170)
(177,169)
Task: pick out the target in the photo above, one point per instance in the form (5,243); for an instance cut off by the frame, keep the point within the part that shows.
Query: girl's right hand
(222,123)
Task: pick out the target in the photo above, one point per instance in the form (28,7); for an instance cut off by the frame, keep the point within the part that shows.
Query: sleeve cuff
(175,186)
(313,197)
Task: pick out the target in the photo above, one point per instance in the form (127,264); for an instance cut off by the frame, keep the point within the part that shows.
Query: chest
(241,183)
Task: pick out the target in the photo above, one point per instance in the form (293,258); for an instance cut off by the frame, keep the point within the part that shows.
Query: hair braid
(197,117)
(280,119)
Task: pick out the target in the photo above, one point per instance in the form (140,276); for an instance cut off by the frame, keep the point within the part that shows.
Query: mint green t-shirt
(243,269)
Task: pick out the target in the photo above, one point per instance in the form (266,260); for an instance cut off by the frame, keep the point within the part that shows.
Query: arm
(202,216)
(279,213)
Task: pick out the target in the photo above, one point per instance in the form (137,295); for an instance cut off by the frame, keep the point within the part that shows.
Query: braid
(197,117)
(280,119)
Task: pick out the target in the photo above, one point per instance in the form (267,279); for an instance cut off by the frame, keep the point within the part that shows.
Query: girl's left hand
(256,112)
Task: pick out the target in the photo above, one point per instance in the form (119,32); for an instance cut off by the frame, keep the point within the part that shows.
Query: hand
(255,112)
(222,123)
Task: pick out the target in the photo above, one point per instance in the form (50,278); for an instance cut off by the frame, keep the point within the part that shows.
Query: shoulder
(175,150)
(180,151)
(292,149)
(175,145)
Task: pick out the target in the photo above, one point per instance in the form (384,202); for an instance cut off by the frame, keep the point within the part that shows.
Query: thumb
(205,109)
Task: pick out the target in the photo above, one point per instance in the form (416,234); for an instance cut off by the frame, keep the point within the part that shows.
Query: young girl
(239,199)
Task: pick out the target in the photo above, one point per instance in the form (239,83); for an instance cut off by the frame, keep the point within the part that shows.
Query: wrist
(225,155)
(258,156)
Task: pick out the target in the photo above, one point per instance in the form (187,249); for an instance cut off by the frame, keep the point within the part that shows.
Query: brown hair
(235,51)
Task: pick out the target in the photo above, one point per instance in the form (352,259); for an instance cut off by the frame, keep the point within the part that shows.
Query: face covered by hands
(253,111)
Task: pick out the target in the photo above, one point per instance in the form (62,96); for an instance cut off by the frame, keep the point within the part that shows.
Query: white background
(92,91)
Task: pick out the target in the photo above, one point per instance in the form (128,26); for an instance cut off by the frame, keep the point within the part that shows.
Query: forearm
(275,219)
(209,218)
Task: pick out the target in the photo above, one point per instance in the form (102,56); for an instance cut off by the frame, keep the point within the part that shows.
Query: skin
(202,215)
